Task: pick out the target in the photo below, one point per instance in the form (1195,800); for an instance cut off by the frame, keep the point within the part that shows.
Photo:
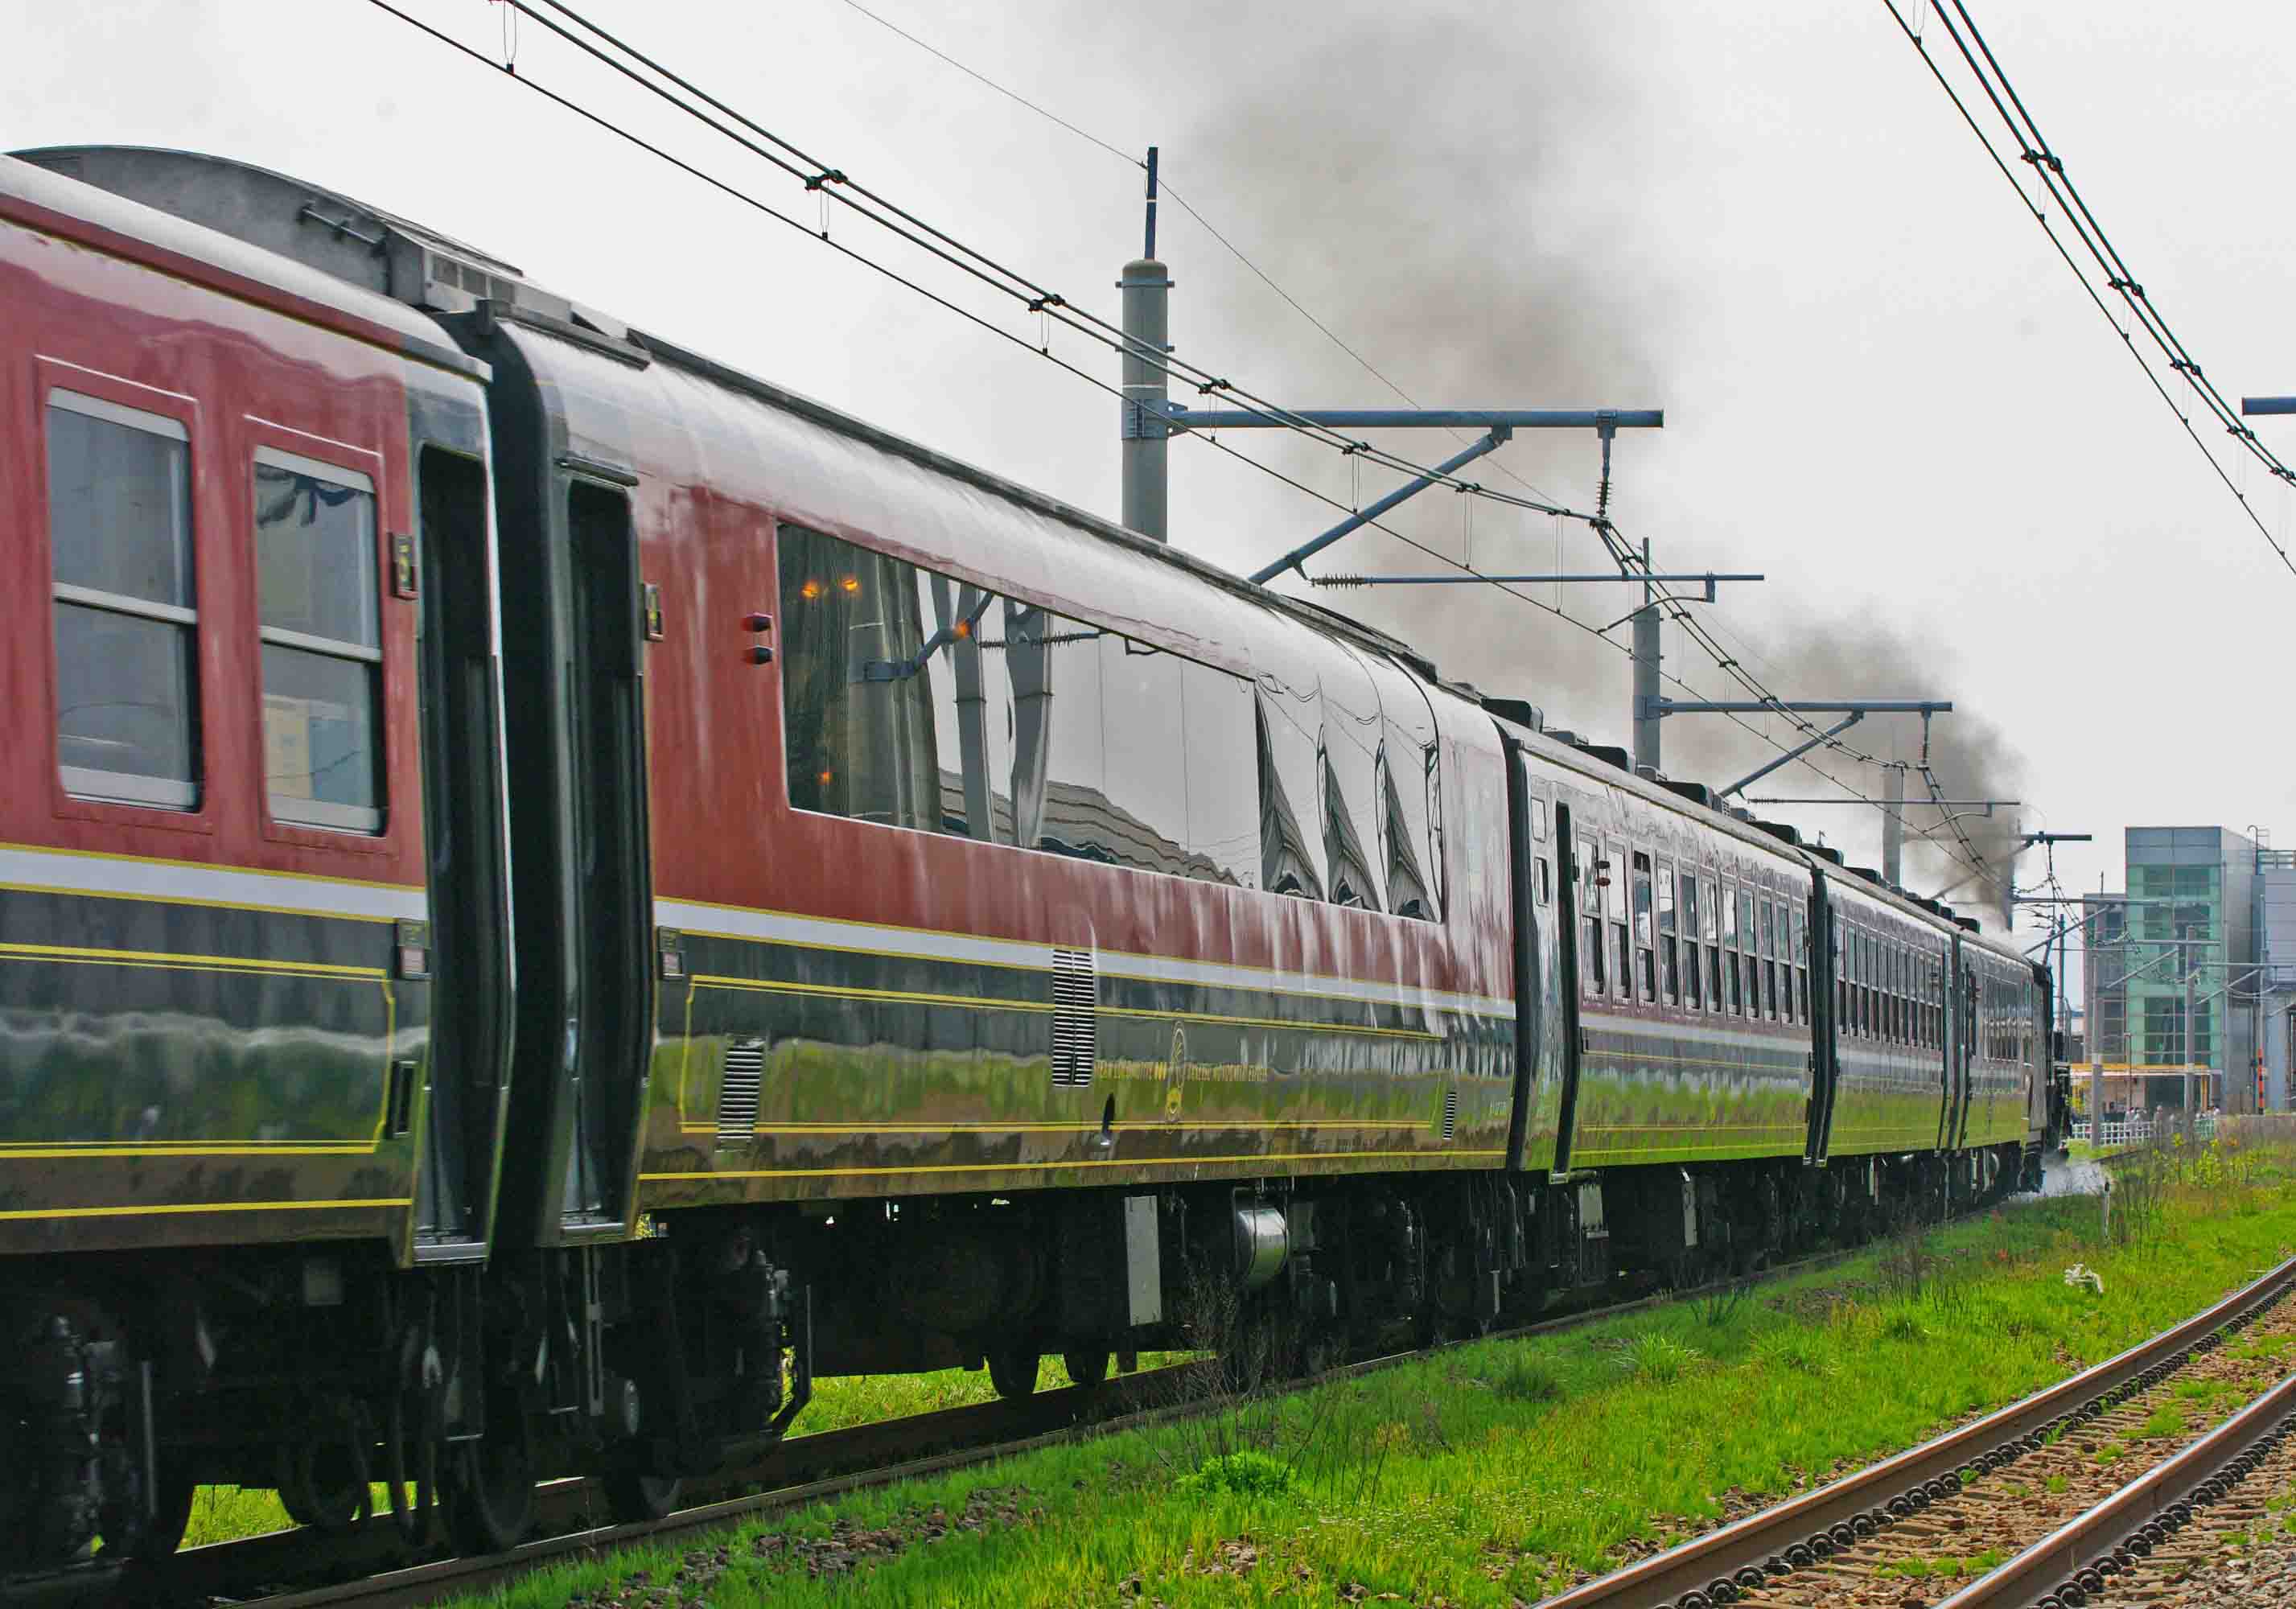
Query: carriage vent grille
(1450,1112)
(737,1094)
(1076,1034)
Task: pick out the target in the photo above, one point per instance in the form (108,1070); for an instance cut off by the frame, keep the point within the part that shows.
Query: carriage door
(464,836)
(1964,1049)
(1568,871)
(1824,1053)
(612,891)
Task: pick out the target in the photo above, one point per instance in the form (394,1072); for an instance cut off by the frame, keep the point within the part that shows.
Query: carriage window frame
(1614,908)
(92,784)
(288,810)
(982,617)
(1694,973)
(1593,979)
(1645,919)
(1669,943)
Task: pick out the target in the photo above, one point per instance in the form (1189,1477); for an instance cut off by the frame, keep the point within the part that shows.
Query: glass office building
(2183,1015)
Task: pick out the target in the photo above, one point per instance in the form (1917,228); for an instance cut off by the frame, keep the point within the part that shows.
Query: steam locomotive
(553,892)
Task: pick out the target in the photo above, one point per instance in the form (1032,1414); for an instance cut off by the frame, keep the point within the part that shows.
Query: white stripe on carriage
(781,927)
(126,877)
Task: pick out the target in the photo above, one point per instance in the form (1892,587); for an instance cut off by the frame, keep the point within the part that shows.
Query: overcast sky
(1883,388)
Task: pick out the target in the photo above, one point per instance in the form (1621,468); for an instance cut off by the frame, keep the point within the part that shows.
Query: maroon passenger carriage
(949,929)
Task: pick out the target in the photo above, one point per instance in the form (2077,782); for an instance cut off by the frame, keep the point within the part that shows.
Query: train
(555,893)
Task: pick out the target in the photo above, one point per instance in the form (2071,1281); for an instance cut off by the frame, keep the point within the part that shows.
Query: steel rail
(424,1584)
(1714,1569)
(2082,1555)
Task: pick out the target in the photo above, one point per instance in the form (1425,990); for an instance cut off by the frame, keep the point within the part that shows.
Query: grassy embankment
(1494,1474)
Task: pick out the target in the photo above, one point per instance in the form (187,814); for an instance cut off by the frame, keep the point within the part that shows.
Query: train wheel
(171,1516)
(156,1536)
(490,1500)
(1013,1371)
(633,1495)
(1085,1367)
(323,1475)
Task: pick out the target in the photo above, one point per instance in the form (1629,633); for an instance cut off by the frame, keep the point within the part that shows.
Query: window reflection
(919,701)
(126,614)
(318,582)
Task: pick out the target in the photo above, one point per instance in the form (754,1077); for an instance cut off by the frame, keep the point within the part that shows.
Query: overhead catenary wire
(833,182)
(834,185)
(1170,194)
(1622,553)
(2049,170)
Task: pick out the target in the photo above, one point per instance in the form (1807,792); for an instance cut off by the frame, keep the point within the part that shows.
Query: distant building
(2275,908)
(2170,971)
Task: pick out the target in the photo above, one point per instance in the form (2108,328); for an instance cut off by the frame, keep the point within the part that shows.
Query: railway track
(2166,1526)
(257,1571)
(2112,1442)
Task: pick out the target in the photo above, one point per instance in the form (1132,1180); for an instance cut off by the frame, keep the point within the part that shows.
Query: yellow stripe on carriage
(158,1208)
(840,991)
(180,961)
(1114,1161)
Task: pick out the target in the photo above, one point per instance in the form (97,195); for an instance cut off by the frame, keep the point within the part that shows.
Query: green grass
(223,1513)
(1953,1566)
(863,1399)
(1496,1470)
(2168,1420)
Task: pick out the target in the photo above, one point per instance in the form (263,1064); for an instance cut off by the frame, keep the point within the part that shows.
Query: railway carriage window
(1899,1002)
(1351,735)
(317,585)
(1537,820)
(1591,967)
(1911,962)
(870,699)
(1546,886)
(1291,783)
(1767,916)
(1904,995)
(1909,985)
(1786,962)
(1407,795)
(1857,1017)
(1728,900)
(1889,990)
(1669,948)
(1614,905)
(1899,1029)
(1060,773)
(1223,838)
(1766,943)
(1407,778)
(1801,960)
(1645,949)
(1145,751)
(1877,963)
(127,621)
(1869,952)
(1710,925)
(1693,968)
(1777,978)
(1747,951)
